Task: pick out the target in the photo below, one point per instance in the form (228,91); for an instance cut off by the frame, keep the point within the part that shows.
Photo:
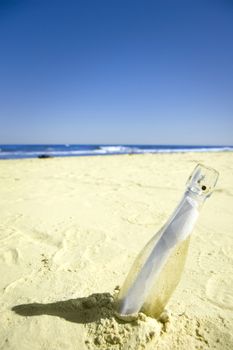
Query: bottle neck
(197,198)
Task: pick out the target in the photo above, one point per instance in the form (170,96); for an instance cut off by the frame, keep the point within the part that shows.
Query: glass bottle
(157,269)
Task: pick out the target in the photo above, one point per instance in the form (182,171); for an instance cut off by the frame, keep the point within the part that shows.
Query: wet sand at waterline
(70,228)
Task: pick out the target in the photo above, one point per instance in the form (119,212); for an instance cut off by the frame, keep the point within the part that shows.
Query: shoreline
(45,157)
(47,151)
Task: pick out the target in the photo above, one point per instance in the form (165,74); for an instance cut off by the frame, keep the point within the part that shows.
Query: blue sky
(116,71)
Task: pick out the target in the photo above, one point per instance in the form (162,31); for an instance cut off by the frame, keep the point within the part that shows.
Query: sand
(70,229)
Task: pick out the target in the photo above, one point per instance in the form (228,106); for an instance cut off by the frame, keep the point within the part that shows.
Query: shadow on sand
(80,310)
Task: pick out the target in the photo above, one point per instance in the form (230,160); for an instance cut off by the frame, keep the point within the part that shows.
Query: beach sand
(70,229)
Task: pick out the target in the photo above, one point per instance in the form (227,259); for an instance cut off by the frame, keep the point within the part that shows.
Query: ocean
(71,150)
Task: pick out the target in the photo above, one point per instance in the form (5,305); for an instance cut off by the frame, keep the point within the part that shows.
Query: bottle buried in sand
(157,269)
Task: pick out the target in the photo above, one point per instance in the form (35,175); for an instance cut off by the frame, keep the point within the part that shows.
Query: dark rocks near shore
(44,156)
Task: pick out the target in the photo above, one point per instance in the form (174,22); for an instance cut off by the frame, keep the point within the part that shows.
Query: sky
(116,71)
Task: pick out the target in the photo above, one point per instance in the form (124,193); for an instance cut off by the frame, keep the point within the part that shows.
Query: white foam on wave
(117,149)
(185,150)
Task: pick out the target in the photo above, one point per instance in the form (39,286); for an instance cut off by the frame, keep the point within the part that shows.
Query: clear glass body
(157,269)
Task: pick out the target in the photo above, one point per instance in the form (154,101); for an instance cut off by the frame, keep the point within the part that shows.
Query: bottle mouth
(203,180)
